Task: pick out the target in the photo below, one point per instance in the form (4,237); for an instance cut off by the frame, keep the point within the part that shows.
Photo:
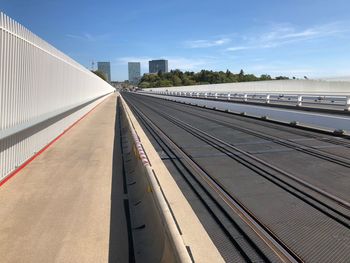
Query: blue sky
(290,37)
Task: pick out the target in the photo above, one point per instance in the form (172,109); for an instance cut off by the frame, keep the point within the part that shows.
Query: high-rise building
(134,69)
(105,68)
(158,65)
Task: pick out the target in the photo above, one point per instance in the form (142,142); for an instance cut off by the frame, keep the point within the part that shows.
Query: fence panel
(42,92)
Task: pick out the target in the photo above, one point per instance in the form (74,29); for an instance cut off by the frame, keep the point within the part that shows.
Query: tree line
(179,78)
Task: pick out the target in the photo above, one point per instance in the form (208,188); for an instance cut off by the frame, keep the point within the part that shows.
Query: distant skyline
(159,65)
(134,70)
(291,38)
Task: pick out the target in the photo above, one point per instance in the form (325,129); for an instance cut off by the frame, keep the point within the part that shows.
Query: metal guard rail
(298,99)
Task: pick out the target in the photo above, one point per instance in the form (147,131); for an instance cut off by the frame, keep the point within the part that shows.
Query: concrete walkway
(57,209)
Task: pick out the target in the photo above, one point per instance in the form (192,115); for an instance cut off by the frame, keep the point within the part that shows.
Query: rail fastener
(338,132)
(294,123)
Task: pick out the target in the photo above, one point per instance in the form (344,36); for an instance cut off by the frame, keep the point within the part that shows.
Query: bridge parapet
(42,92)
(305,87)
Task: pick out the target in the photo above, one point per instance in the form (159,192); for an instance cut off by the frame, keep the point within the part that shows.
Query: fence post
(347,103)
(245,97)
(300,101)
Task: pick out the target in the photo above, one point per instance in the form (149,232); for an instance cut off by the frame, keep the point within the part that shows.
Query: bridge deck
(57,209)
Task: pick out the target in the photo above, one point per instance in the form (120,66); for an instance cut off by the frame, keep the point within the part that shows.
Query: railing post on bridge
(245,97)
(228,96)
(347,103)
(267,98)
(300,100)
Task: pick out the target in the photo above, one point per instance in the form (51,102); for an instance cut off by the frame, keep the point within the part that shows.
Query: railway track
(343,161)
(332,207)
(203,180)
(268,171)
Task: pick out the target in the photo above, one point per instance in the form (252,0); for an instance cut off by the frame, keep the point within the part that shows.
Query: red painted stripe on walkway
(16,171)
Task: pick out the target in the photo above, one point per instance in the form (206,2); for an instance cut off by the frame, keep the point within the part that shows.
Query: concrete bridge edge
(193,234)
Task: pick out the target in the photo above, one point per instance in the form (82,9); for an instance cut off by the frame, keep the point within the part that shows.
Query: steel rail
(284,127)
(269,238)
(334,198)
(267,123)
(230,153)
(210,210)
(263,172)
(289,144)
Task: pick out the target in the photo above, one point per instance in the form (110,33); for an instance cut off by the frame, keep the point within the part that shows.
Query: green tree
(176,80)
(100,74)
(250,77)
(187,81)
(241,76)
(144,85)
(281,77)
(165,83)
(179,78)
(265,77)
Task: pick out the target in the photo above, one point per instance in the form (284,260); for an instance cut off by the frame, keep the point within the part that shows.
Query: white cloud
(236,48)
(206,43)
(283,34)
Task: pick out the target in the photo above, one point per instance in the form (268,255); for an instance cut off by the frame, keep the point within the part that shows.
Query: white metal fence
(307,87)
(299,91)
(42,92)
(341,102)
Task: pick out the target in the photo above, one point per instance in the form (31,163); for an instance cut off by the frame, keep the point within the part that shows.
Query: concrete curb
(176,242)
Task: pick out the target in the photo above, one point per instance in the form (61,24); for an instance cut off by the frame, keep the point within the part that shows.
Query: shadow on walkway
(120,242)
